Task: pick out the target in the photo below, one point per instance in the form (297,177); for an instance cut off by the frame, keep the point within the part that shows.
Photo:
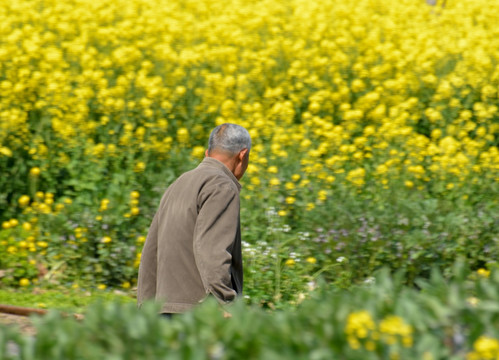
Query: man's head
(230,144)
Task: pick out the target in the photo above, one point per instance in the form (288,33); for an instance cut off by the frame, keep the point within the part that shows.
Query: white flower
(311,285)
(370,280)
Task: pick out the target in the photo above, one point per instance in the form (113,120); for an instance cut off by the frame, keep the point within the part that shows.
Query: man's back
(194,246)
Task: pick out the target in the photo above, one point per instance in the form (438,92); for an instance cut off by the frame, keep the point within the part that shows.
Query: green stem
(314,276)
(277,249)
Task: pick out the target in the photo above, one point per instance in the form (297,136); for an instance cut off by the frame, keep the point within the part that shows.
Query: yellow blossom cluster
(337,95)
(25,242)
(331,91)
(44,235)
(134,203)
(485,348)
(362,331)
(483,272)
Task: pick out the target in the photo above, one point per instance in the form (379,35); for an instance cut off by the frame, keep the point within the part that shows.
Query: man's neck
(228,161)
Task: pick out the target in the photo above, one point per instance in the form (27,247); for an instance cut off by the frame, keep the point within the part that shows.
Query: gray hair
(230,138)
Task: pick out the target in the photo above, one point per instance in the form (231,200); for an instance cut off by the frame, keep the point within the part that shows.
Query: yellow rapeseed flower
(106,239)
(357,176)
(274,182)
(34,171)
(12,250)
(198,152)
(139,167)
(134,202)
(409,184)
(359,324)
(393,327)
(272,169)
(255,180)
(24,200)
(290,200)
(24,282)
(311,260)
(282,213)
(483,272)
(484,348)
(134,195)
(137,260)
(104,205)
(310,206)
(183,135)
(289,186)
(5,151)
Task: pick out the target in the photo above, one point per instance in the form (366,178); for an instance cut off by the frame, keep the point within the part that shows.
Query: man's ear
(242,154)
(206,153)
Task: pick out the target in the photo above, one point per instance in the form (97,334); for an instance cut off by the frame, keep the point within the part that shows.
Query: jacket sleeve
(214,236)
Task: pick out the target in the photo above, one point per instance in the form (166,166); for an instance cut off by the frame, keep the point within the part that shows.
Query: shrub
(382,319)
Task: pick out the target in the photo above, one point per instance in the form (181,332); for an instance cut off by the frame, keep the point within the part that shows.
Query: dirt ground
(22,322)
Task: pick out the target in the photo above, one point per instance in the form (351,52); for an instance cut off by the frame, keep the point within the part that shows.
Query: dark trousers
(167,315)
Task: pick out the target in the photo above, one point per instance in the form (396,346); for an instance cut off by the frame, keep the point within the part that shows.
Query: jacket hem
(176,308)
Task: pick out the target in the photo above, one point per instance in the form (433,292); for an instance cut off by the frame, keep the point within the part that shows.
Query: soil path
(22,322)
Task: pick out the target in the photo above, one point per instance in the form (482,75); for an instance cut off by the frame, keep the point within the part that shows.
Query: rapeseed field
(374,124)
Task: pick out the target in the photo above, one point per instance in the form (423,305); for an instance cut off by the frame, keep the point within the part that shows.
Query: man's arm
(214,235)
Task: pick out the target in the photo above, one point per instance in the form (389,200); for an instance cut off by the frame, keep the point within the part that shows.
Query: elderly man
(193,248)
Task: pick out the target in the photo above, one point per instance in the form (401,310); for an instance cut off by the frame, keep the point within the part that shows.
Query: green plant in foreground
(444,319)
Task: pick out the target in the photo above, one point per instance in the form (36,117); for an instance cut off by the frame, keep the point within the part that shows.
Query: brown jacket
(193,247)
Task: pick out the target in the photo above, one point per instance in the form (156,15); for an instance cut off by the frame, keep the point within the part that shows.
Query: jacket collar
(208,161)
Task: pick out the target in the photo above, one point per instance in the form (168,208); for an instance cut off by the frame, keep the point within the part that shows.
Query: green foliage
(360,233)
(384,319)
(70,300)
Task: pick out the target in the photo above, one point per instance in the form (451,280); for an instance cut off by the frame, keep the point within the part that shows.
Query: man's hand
(227,315)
